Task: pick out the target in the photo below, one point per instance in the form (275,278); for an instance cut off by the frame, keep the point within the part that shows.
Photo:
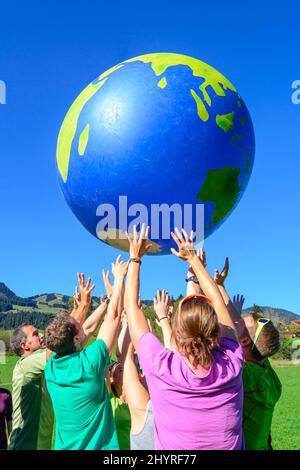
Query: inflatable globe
(159,136)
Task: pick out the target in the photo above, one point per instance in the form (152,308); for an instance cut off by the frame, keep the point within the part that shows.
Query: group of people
(209,385)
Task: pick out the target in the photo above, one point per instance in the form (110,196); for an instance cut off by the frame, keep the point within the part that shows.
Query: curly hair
(60,333)
(196,331)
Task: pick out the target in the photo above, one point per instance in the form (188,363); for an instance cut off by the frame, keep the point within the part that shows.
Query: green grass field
(286,420)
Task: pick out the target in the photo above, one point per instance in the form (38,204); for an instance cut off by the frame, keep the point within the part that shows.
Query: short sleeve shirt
(192,412)
(33,417)
(83,413)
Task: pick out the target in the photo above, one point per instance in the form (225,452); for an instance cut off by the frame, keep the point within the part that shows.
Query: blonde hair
(196,329)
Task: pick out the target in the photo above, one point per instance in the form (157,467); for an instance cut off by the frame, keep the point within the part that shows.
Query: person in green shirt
(32,423)
(75,376)
(260,340)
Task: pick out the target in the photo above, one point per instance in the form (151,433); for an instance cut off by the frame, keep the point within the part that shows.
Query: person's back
(262,390)
(193,412)
(83,413)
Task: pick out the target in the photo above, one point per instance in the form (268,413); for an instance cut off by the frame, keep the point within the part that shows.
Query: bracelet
(192,279)
(135,260)
(160,319)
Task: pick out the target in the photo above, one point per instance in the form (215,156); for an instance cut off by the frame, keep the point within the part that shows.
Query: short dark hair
(59,334)
(268,342)
(16,339)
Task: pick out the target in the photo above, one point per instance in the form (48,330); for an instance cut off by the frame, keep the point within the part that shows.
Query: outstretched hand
(139,244)
(238,302)
(119,269)
(84,295)
(162,304)
(186,250)
(107,283)
(220,278)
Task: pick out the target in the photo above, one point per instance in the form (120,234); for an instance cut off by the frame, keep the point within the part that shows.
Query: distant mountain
(8,299)
(277,315)
(52,303)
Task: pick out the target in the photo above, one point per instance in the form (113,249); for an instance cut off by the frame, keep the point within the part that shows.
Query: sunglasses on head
(200,297)
(261,323)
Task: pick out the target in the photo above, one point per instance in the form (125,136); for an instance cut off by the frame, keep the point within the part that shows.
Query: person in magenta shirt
(196,388)
(5,416)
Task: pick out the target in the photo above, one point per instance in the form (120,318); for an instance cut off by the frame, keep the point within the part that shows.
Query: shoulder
(96,354)
(35,362)
(233,349)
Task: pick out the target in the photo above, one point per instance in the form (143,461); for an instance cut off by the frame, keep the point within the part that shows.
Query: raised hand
(139,244)
(77,298)
(220,278)
(202,257)
(108,285)
(186,250)
(162,304)
(119,269)
(238,302)
(85,289)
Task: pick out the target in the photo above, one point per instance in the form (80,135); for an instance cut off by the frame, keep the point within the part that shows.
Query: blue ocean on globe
(159,129)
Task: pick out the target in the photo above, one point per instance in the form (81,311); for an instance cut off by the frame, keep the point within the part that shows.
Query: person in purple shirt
(196,387)
(5,416)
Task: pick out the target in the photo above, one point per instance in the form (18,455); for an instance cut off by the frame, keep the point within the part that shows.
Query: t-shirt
(76,384)
(5,415)
(33,418)
(122,420)
(192,412)
(262,390)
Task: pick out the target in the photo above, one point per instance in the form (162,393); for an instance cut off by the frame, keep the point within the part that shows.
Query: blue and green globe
(159,130)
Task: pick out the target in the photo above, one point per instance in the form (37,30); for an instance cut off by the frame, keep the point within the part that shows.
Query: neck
(251,357)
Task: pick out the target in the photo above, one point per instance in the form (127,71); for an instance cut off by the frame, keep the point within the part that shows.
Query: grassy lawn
(286,420)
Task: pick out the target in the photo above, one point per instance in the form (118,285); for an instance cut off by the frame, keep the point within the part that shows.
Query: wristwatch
(192,279)
(135,260)
(107,300)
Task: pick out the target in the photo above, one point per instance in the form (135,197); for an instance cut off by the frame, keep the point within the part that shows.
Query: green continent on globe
(69,126)
(225,121)
(160,62)
(222,188)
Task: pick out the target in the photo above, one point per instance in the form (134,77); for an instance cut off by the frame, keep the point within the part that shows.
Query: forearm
(192,287)
(167,332)
(109,327)
(80,313)
(234,315)
(123,342)
(137,322)
(211,290)
(95,319)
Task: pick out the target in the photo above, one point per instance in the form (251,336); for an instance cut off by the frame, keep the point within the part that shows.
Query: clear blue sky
(49,51)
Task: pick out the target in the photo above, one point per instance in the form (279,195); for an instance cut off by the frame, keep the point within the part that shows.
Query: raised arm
(93,322)
(82,299)
(137,321)
(220,280)
(193,286)
(137,396)
(111,322)
(187,252)
(161,307)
